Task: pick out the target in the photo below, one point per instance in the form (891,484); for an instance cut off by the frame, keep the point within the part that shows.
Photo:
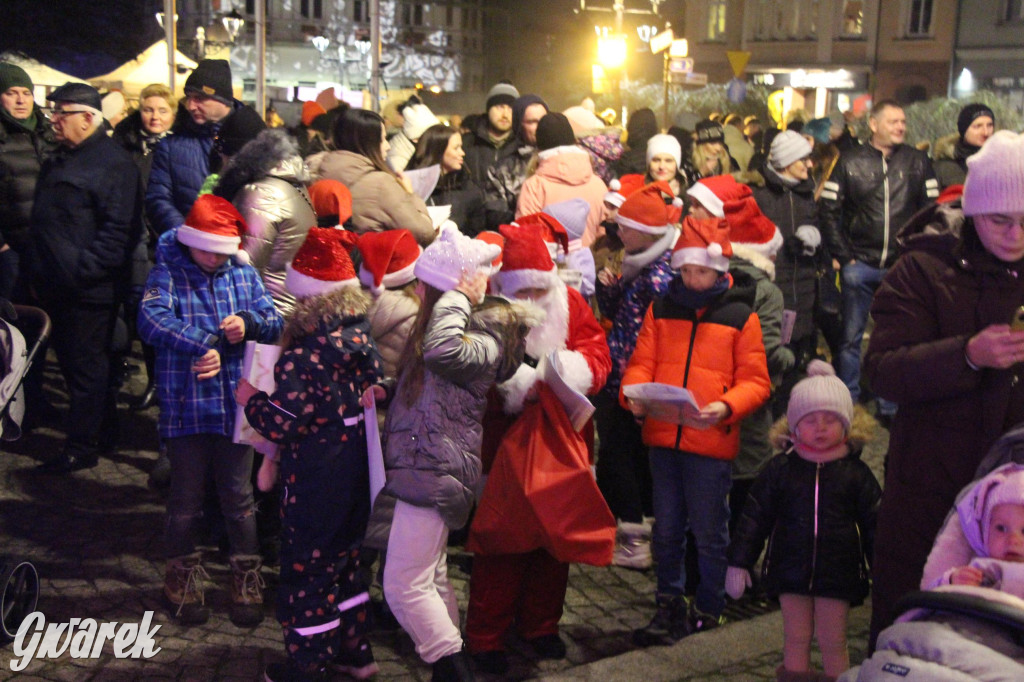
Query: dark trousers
(623,470)
(82,337)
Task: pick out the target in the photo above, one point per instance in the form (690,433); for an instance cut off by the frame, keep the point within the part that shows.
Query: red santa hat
(496,239)
(646,211)
(216,226)
(332,202)
(713,192)
(621,188)
(389,259)
(703,242)
(526,261)
(550,230)
(322,264)
(752,228)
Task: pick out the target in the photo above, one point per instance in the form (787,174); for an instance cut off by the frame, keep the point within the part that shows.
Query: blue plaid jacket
(180,315)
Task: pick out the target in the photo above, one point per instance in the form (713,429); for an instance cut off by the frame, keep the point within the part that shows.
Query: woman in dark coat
(441,145)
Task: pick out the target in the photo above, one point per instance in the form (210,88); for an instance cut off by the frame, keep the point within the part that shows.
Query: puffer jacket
(22,153)
(180,315)
(432,448)
(391,317)
(379,202)
(565,173)
(953,170)
(504,183)
(716,352)
(795,273)
(869,197)
(265,182)
(180,166)
(820,518)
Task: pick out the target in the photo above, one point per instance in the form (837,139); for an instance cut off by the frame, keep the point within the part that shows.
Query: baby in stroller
(970,622)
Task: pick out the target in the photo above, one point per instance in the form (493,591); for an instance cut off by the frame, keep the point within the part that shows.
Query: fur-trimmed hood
(862,430)
(507,320)
(273,153)
(336,308)
(756,259)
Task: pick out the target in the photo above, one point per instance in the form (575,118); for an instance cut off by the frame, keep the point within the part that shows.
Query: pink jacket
(565,173)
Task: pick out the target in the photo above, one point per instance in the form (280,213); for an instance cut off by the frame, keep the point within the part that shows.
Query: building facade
(990,49)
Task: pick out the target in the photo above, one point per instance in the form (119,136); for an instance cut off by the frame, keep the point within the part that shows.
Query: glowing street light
(611,51)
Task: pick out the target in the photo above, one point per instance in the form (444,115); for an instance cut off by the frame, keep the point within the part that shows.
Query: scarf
(695,300)
(28,124)
(787,181)
(633,264)
(148,140)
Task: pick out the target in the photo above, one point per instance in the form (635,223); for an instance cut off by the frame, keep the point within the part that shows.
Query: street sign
(661,41)
(680,65)
(688,78)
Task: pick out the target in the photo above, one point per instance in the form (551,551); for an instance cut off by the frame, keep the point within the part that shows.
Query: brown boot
(246,590)
(184,589)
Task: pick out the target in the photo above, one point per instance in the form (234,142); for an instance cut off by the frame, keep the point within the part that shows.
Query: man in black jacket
(492,138)
(874,190)
(86,221)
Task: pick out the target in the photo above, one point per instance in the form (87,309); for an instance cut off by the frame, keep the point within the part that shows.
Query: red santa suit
(529,588)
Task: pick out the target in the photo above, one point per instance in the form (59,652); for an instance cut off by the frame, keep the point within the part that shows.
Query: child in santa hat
(646,229)
(702,336)
(314,413)
(530,588)
(198,309)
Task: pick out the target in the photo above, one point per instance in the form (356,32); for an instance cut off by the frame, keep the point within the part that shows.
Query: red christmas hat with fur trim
(215,225)
(549,229)
(752,228)
(713,192)
(322,264)
(646,211)
(619,189)
(703,242)
(526,261)
(389,258)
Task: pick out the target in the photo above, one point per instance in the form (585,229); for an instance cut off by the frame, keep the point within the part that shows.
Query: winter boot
(453,668)
(783,675)
(246,590)
(357,661)
(160,474)
(669,624)
(632,546)
(184,589)
(698,621)
(289,672)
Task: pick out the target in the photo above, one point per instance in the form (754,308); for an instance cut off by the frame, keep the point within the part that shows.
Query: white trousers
(416,581)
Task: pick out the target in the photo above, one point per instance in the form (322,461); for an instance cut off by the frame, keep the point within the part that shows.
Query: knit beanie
(995,176)
(311,110)
(322,264)
(519,108)
(211,77)
(214,225)
(819,129)
(645,210)
(787,148)
(821,391)
(665,144)
(1004,485)
(554,131)
(709,131)
(703,242)
(502,93)
(572,214)
(451,256)
(582,119)
(389,258)
(332,202)
(13,76)
(969,113)
(712,192)
(642,126)
(619,189)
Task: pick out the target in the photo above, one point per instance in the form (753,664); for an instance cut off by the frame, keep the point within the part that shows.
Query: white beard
(554,332)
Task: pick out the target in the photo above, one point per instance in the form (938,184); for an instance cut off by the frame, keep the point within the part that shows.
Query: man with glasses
(183,160)
(86,222)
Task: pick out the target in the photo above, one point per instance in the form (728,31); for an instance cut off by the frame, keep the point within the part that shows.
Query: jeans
(691,492)
(193,460)
(860,281)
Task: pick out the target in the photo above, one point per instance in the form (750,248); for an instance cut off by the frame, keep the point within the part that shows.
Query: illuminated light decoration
(320,43)
(835,80)
(436,89)
(965,81)
(646,32)
(611,51)
(679,48)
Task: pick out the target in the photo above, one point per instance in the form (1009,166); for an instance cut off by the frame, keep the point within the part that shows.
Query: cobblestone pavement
(95,537)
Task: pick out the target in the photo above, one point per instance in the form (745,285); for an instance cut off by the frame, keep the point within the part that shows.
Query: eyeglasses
(60,113)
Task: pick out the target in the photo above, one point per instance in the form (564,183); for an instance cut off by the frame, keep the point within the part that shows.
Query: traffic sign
(680,65)
(689,78)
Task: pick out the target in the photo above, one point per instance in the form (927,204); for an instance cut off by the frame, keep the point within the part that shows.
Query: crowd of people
(510,324)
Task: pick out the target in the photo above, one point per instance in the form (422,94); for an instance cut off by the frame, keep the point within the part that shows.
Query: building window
(919,21)
(361,11)
(716,20)
(312,9)
(1014,11)
(853,18)
(785,19)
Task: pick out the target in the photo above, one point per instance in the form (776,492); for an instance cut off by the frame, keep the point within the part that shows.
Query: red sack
(541,493)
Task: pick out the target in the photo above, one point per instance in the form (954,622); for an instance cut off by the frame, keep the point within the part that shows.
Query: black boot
(453,668)
(146,400)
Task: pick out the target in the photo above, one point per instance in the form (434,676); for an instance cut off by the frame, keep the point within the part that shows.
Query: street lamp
(233,23)
(611,51)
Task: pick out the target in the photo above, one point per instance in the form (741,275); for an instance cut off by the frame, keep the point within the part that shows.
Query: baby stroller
(19,580)
(954,632)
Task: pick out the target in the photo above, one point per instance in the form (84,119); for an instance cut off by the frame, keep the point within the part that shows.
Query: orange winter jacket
(717,353)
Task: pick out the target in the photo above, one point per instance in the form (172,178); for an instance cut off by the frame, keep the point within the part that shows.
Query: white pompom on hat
(389,259)
(215,225)
(995,176)
(703,242)
(322,264)
(620,188)
(452,256)
(646,211)
(663,143)
(821,391)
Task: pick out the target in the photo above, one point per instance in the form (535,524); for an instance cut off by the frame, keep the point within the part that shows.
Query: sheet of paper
(423,180)
(577,406)
(664,402)
(439,214)
(258,369)
(374,452)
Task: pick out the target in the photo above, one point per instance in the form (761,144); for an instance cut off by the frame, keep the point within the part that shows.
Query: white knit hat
(788,147)
(995,176)
(665,144)
(1004,485)
(821,391)
(452,255)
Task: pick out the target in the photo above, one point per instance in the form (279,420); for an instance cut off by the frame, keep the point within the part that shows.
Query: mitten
(737,580)
(810,237)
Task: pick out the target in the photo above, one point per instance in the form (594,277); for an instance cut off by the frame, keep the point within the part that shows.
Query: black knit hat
(969,113)
(710,131)
(77,93)
(212,77)
(519,108)
(554,131)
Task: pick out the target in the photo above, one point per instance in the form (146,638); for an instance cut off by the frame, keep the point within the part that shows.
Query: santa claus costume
(529,588)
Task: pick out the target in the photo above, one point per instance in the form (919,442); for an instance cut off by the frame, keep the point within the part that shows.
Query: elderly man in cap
(492,138)
(183,160)
(86,221)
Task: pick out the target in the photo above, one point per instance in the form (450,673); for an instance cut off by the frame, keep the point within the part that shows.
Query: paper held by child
(423,180)
(374,451)
(439,214)
(577,406)
(664,402)
(258,369)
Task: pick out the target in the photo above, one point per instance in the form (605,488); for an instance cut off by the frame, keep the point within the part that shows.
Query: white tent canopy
(149,67)
(41,74)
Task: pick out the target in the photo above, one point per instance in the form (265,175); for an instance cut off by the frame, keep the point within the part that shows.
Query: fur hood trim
(273,153)
(509,322)
(752,256)
(339,304)
(862,430)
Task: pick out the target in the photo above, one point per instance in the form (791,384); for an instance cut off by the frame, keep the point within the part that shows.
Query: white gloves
(811,238)
(737,580)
